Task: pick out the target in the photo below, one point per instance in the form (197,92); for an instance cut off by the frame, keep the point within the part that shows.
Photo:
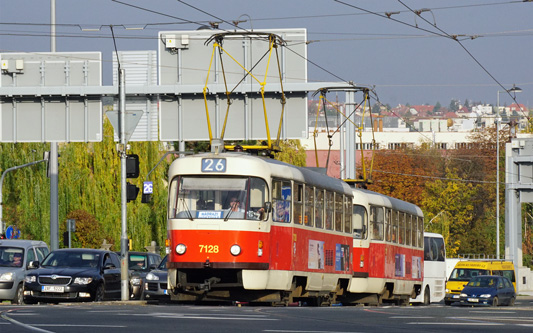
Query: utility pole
(53,162)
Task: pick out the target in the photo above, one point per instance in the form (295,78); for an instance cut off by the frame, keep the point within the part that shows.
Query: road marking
(4,316)
(80,325)
(410,317)
(464,324)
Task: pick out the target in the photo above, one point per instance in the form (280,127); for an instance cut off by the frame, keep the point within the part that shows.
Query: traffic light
(132,166)
(132,171)
(131,192)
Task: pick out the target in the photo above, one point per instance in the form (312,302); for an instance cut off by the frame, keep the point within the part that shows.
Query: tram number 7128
(213,165)
(208,248)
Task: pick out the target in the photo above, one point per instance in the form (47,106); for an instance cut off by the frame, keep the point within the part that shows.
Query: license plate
(456,296)
(165,291)
(473,300)
(52,289)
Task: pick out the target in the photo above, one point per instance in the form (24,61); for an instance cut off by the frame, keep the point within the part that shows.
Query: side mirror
(33,264)
(152,266)
(268,207)
(109,265)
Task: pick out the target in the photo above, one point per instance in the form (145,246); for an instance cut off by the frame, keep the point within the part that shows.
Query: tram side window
(401,227)
(172,198)
(420,231)
(388,224)
(377,219)
(408,229)
(309,205)
(394,231)
(347,215)
(328,209)
(338,212)
(319,208)
(360,222)
(413,230)
(298,203)
(281,200)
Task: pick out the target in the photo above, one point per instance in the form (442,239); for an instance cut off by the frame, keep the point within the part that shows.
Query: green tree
(292,152)
(455,198)
(437,107)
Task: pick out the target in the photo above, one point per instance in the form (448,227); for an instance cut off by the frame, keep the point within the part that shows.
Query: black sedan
(491,290)
(74,275)
(155,286)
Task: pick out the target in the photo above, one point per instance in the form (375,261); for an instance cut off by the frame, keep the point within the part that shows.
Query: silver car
(15,256)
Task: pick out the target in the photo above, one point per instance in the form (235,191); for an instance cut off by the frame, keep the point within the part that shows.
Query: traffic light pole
(124,279)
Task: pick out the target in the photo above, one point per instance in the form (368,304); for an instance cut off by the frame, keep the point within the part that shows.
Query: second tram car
(249,228)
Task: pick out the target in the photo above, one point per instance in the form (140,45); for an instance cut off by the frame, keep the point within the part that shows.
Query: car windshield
(72,259)
(138,262)
(483,282)
(465,274)
(163,265)
(216,197)
(11,256)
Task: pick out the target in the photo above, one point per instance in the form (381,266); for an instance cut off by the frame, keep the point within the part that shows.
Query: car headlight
(7,277)
(152,277)
(181,248)
(135,281)
(83,280)
(235,250)
(30,279)
(485,295)
(463,295)
(447,290)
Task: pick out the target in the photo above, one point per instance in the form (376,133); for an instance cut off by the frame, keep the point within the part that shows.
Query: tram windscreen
(193,197)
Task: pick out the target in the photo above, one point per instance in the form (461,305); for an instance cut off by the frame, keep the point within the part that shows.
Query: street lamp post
(514,89)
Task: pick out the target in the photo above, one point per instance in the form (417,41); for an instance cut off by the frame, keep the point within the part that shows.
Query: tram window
(328,207)
(281,200)
(298,203)
(338,212)
(319,208)
(388,224)
(413,231)
(360,222)
(347,211)
(401,227)
(420,232)
(217,198)
(394,230)
(376,220)
(309,205)
(407,229)
(172,198)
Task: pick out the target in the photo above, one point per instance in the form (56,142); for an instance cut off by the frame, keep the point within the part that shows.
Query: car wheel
(19,295)
(511,301)
(427,299)
(495,301)
(100,293)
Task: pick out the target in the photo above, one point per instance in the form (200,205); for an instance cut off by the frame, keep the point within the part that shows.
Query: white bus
(434,284)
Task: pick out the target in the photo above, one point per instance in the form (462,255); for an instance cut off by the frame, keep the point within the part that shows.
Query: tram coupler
(208,283)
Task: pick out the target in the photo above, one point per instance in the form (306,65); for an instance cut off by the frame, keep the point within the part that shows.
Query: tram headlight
(235,250)
(181,248)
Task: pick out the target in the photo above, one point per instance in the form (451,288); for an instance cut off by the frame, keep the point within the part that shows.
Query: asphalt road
(141,317)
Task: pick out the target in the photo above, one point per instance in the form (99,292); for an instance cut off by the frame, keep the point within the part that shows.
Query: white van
(15,255)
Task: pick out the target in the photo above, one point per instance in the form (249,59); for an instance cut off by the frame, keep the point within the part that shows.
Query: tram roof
(283,170)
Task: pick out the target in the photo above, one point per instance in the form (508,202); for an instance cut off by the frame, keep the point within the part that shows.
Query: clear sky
(408,58)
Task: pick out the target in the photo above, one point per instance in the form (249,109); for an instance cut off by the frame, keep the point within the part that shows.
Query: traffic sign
(148,187)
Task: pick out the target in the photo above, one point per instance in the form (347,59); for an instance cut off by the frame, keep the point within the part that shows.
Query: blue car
(491,290)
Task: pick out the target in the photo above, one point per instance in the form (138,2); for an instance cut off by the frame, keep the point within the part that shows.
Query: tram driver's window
(360,224)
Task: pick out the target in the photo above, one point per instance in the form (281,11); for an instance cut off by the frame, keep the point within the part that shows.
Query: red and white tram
(249,228)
